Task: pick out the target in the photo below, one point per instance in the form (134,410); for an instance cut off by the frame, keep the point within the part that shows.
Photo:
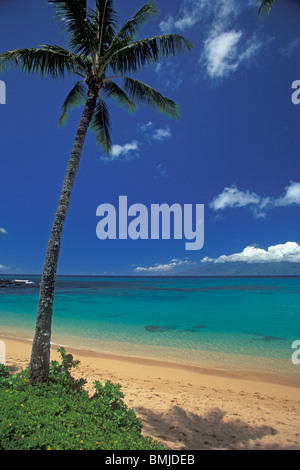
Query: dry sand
(189,408)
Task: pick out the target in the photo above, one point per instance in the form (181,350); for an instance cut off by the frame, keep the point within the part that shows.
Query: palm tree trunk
(40,354)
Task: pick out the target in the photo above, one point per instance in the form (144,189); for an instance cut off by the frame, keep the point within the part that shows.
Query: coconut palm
(99,55)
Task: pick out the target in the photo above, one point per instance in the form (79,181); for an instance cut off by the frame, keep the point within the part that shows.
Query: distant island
(240,268)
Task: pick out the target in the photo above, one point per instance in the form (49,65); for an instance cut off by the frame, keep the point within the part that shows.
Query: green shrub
(60,415)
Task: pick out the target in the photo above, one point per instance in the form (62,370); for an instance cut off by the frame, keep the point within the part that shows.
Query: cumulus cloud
(225,46)
(162,134)
(163,268)
(123,152)
(220,53)
(232,197)
(118,150)
(224,52)
(289,251)
(290,196)
(2,231)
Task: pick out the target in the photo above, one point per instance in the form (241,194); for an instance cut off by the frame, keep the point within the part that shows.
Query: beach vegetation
(61,415)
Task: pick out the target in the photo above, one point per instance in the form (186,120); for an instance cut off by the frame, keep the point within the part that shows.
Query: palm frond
(76,97)
(113,48)
(144,94)
(77,23)
(46,60)
(112,90)
(105,19)
(101,125)
(131,27)
(266,6)
(139,53)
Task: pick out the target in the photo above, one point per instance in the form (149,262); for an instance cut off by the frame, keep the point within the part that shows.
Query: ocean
(246,325)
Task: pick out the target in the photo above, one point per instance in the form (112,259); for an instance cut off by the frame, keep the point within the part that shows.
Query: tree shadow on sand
(193,432)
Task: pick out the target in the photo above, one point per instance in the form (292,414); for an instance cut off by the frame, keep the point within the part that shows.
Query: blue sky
(234,149)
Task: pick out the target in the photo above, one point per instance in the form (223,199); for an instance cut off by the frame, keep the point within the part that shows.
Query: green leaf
(266,6)
(139,53)
(132,27)
(112,90)
(105,19)
(77,23)
(76,97)
(46,60)
(143,93)
(101,125)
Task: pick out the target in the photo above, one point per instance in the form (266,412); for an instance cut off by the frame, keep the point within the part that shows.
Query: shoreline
(189,408)
(165,363)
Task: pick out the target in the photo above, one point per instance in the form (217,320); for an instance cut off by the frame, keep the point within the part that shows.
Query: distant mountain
(240,268)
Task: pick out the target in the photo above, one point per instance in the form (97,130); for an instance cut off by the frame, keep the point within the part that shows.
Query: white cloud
(289,251)
(167,26)
(151,133)
(124,152)
(225,46)
(2,231)
(147,127)
(225,51)
(163,268)
(130,150)
(252,47)
(220,53)
(162,134)
(193,11)
(232,197)
(118,151)
(290,196)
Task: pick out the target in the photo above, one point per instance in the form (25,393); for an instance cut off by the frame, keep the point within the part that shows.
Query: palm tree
(98,55)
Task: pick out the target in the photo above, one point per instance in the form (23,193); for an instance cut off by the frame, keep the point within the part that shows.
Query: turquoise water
(193,320)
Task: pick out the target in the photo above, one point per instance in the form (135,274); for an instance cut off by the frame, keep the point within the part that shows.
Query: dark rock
(5,283)
(157,328)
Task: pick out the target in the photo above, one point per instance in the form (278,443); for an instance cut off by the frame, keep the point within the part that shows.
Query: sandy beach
(190,408)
